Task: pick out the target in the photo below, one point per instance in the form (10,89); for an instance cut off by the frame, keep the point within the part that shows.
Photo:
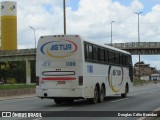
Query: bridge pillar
(28,72)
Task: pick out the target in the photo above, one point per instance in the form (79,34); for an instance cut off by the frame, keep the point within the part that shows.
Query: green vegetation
(15,72)
(16,86)
(139,82)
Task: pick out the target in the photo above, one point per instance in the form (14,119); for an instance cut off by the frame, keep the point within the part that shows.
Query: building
(145,69)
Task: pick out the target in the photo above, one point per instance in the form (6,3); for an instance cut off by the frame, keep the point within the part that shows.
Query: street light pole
(34,35)
(64,12)
(138,13)
(111,32)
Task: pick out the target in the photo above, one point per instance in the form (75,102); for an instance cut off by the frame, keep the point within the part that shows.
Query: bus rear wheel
(102,94)
(124,95)
(94,100)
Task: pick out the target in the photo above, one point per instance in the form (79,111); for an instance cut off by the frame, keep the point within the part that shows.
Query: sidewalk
(16,97)
(17,93)
(33,94)
(139,85)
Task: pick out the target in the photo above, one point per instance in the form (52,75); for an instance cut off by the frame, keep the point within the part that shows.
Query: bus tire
(102,94)
(124,95)
(94,100)
(57,101)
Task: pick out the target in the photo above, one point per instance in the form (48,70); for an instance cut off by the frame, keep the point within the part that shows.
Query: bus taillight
(80,80)
(37,81)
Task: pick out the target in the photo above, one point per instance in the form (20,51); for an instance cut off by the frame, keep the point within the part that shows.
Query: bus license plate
(61,82)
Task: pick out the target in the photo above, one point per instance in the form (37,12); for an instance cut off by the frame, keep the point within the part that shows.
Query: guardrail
(131,45)
(143,48)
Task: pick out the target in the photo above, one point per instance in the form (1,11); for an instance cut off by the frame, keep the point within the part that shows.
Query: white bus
(69,67)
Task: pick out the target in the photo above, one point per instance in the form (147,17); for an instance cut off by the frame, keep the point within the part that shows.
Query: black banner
(38,114)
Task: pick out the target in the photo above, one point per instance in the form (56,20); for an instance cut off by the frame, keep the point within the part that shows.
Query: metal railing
(131,45)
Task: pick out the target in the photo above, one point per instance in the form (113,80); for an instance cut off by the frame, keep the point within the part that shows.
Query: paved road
(144,98)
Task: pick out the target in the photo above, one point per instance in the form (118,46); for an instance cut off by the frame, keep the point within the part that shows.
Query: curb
(17,93)
(16,97)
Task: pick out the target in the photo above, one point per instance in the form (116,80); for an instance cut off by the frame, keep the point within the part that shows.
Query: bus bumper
(52,93)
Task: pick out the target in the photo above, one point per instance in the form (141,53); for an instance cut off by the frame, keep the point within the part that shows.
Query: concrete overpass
(20,55)
(143,48)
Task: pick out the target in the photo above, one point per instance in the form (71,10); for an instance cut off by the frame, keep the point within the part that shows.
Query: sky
(91,19)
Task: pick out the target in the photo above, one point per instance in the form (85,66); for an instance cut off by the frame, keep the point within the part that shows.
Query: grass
(139,82)
(22,86)
(16,86)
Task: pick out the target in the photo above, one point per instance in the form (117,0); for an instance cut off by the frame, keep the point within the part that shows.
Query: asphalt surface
(141,99)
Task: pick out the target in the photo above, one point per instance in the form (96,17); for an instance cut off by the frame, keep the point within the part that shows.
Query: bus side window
(120,59)
(86,52)
(117,58)
(127,60)
(112,57)
(95,53)
(123,59)
(102,55)
(130,59)
(106,56)
(90,53)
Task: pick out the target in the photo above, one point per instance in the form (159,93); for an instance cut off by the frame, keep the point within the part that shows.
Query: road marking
(37,119)
(145,92)
(141,118)
(152,92)
(119,100)
(158,109)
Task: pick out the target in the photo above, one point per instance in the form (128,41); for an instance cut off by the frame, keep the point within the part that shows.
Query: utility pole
(64,12)
(111,32)
(138,13)
(34,35)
